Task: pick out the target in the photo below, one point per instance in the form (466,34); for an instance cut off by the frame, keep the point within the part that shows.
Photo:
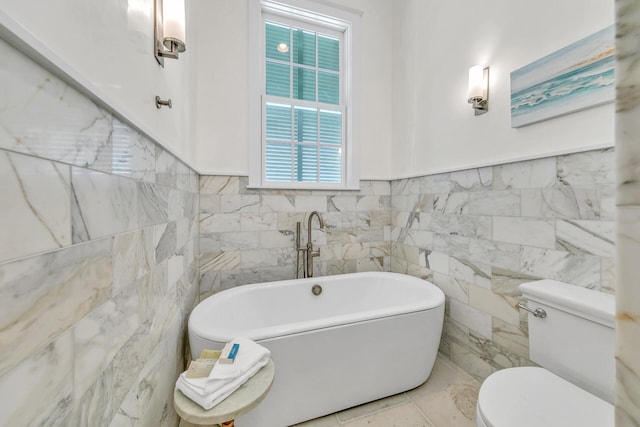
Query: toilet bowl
(573,342)
(534,397)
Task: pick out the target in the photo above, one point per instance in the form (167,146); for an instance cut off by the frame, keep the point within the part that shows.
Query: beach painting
(574,78)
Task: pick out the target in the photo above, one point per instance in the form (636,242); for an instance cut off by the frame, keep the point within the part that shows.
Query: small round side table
(241,401)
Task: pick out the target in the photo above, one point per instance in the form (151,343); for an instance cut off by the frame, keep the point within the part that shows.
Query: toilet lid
(535,397)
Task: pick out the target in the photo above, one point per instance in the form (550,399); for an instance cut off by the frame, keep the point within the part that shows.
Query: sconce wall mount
(479,89)
(163,102)
(169,29)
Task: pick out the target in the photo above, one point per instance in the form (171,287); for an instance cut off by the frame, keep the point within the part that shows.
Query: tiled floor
(446,399)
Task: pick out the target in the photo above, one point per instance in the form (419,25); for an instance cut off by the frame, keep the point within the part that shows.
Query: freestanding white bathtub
(366,336)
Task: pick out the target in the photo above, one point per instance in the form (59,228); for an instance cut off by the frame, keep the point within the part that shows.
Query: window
(304,138)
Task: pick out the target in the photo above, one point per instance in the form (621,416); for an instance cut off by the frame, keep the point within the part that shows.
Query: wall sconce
(169,29)
(479,89)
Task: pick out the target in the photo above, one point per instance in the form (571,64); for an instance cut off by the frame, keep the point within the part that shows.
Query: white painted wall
(416,55)
(222,120)
(108,47)
(435,43)
(221,76)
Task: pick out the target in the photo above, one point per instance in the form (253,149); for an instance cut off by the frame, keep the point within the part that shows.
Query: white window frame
(315,13)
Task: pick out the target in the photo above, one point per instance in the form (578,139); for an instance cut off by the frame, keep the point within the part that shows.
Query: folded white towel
(224,379)
(249,353)
(208,401)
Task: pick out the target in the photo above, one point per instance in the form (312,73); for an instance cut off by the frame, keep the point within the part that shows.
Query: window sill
(304,187)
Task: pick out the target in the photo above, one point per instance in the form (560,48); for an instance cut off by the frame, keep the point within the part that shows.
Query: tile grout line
(432,424)
(375,412)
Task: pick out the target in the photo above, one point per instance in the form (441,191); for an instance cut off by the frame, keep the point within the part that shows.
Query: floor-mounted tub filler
(336,341)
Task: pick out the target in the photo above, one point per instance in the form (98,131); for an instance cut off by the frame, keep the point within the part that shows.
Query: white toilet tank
(576,339)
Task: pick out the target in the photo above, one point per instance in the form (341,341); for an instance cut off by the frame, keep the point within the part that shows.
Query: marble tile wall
(98,259)
(628,220)
(248,236)
(479,233)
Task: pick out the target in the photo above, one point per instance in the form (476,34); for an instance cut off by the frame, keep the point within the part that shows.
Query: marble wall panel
(627,399)
(165,239)
(496,254)
(524,231)
(235,203)
(311,203)
(473,273)
(382,188)
(608,272)
(449,203)
(100,335)
(437,262)
(133,355)
(34,199)
(152,204)
(418,238)
(503,203)
(587,169)
(151,397)
(48,294)
(42,116)
(472,179)
(498,306)
(478,234)
(133,257)
(277,238)
(116,211)
(218,185)
(258,221)
(96,406)
(492,354)
(248,235)
(563,202)
(540,173)
(513,338)
(456,289)
(577,269)
(590,237)
(166,168)
(453,245)
(342,203)
(187,178)
(474,364)
(506,282)
(133,154)
(39,390)
(431,184)
(471,317)
(463,225)
(371,264)
(98,260)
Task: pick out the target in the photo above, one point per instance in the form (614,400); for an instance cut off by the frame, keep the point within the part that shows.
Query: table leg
(184,423)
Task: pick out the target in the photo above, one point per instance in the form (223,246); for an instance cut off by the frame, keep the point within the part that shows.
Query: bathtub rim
(436,299)
(291,332)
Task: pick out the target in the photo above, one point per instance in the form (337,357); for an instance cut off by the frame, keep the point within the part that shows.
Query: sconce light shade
(478,94)
(173,16)
(170,31)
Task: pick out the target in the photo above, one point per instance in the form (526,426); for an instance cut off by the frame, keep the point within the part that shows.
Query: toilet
(571,338)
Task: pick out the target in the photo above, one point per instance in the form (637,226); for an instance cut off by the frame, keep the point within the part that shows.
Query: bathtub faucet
(310,252)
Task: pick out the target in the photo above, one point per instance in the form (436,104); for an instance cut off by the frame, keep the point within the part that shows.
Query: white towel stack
(224,379)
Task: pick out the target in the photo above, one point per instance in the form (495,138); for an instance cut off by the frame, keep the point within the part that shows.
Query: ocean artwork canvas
(574,78)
